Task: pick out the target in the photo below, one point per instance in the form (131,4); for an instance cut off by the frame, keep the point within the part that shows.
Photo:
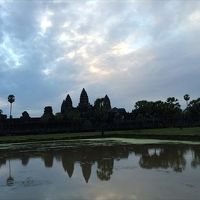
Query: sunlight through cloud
(121,49)
(45,22)
(195,18)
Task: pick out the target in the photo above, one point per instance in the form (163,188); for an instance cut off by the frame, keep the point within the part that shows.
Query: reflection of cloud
(114,196)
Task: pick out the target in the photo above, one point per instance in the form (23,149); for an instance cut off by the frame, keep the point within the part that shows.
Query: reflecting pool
(100,170)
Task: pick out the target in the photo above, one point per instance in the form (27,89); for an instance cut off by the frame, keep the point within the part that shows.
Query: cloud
(130,50)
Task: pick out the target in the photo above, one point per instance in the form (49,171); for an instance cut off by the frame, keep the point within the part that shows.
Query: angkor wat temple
(101,116)
(83,117)
(84,105)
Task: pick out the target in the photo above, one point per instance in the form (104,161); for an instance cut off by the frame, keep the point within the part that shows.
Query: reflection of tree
(2,161)
(105,169)
(68,162)
(169,157)
(196,157)
(48,159)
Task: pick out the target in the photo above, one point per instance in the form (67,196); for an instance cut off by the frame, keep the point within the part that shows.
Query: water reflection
(103,157)
(196,157)
(105,168)
(168,157)
(10,179)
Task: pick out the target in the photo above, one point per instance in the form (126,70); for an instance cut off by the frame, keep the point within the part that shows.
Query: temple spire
(84,101)
(107,102)
(66,104)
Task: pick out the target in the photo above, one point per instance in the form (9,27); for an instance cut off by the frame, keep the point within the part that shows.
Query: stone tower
(84,101)
(66,104)
(107,102)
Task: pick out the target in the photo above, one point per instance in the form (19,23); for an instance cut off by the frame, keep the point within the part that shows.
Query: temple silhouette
(101,116)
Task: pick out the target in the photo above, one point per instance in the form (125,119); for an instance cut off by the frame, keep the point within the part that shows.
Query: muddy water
(101,170)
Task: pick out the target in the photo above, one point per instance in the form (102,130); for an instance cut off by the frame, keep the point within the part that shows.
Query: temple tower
(84,101)
(107,102)
(66,104)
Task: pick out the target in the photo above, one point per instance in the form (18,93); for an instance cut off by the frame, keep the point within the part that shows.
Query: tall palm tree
(186,98)
(11,99)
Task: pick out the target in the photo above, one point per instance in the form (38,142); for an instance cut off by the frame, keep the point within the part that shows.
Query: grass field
(191,134)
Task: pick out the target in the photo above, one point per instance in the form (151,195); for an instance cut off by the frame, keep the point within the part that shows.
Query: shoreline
(179,134)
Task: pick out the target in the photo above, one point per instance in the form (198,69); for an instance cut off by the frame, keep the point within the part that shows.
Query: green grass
(166,133)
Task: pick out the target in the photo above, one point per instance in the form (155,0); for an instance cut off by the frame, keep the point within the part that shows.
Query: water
(100,170)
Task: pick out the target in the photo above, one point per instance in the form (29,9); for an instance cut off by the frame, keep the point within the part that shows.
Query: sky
(130,50)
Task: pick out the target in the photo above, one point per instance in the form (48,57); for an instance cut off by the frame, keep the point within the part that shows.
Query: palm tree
(11,99)
(186,98)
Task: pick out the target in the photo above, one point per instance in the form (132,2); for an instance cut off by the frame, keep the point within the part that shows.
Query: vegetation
(186,98)
(11,100)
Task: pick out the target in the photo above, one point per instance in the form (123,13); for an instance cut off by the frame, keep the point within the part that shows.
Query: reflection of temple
(48,159)
(86,169)
(87,154)
(105,169)
(25,160)
(68,162)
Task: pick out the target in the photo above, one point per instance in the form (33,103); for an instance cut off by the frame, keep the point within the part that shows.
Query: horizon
(129,50)
(92,104)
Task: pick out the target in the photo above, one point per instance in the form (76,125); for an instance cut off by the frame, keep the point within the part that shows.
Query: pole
(10,110)
(9,168)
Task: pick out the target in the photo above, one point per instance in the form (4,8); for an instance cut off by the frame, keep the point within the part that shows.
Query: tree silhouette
(101,112)
(25,116)
(11,99)
(193,111)
(186,98)
(155,114)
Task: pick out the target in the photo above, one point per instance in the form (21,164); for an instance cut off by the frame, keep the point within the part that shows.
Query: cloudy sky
(128,49)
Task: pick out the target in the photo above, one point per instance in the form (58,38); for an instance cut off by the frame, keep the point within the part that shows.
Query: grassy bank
(190,134)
